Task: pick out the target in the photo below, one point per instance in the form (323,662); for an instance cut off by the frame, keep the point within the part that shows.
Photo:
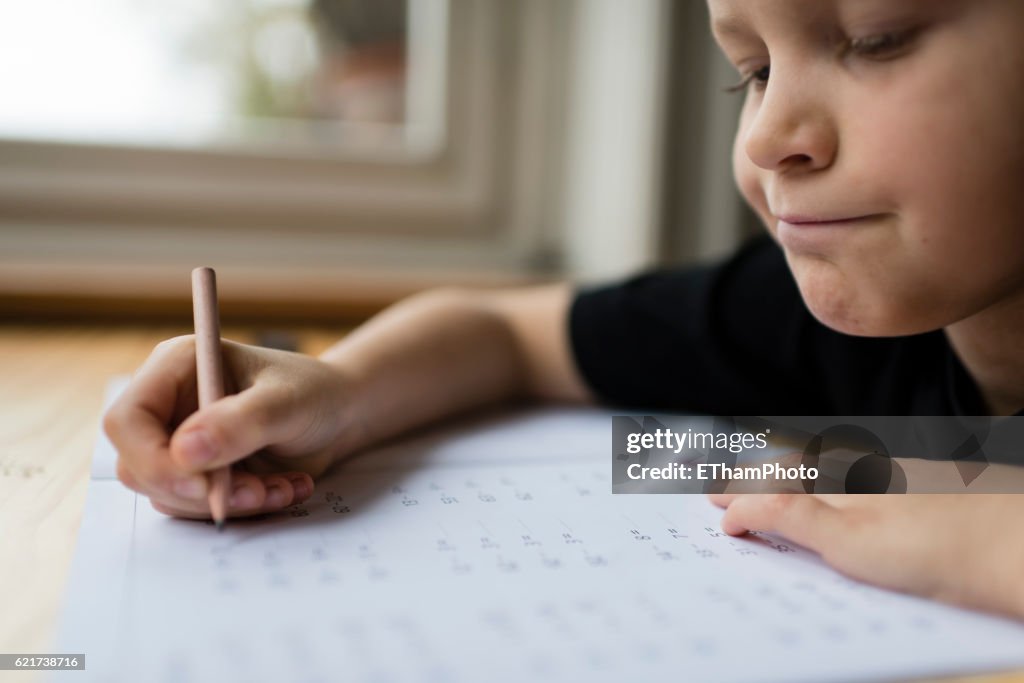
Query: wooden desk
(51,395)
(52,381)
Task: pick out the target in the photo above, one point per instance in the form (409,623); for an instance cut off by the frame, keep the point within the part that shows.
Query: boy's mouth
(801,221)
(817,234)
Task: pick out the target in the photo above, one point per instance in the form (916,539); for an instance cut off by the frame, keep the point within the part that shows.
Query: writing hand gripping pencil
(280,425)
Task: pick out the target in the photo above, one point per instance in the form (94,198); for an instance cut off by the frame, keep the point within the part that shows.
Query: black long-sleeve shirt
(735,338)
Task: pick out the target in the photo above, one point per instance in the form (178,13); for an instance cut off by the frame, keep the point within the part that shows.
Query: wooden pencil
(210,374)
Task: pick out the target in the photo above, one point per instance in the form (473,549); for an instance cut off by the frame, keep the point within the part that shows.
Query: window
(294,77)
(307,148)
(450,181)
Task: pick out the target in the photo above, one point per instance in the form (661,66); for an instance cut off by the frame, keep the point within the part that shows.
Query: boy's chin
(861,314)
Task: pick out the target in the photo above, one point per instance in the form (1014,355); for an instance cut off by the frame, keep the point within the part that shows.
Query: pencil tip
(220,525)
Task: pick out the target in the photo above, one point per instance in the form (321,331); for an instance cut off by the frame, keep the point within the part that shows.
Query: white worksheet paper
(489,551)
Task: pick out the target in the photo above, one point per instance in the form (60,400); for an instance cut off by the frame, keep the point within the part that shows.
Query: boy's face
(882,144)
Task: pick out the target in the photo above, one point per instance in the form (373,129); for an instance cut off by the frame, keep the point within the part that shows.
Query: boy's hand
(279,427)
(966,549)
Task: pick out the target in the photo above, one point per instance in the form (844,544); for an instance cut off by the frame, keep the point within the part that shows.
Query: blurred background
(330,156)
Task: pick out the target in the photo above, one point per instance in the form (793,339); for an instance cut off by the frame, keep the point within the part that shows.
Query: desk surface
(52,381)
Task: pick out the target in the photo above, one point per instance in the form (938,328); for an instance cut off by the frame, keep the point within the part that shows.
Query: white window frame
(502,200)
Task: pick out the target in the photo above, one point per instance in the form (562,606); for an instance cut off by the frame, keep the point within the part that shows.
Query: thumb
(234,428)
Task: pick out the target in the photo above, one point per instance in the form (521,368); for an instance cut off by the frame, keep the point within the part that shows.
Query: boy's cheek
(747,177)
(748,182)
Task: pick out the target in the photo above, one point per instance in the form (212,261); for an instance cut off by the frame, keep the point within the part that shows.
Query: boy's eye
(880,46)
(758,77)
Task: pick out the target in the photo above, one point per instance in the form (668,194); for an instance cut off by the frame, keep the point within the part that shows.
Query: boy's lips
(802,221)
(814,233)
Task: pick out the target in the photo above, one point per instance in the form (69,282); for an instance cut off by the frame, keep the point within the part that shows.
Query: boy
(880,145)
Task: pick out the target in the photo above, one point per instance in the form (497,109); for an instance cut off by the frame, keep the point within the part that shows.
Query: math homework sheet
(489,551)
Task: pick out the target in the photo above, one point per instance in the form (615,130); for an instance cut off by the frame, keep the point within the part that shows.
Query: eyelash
(878,47)
(751,78)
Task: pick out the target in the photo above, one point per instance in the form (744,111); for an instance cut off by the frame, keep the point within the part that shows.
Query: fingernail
(243,497)
(197,447)
(301,487)
(193,488)
(276,497)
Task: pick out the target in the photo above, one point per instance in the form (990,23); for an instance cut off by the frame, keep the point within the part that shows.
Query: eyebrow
(730,25)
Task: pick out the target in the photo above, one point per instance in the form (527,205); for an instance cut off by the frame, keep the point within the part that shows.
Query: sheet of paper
(490,551)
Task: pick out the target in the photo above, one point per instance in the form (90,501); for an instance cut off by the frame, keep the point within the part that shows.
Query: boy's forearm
(442,353)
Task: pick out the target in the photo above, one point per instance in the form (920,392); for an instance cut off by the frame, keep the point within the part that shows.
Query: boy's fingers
(804,519)
(156,476)
(246,498)
(137,422)
(178,512)
(251,495)
(137,432)
(722,500)
(235,427)
(302,486)
(164,491)
(157,385)
(279,493)
(254,493)
(127,478)
(247,493)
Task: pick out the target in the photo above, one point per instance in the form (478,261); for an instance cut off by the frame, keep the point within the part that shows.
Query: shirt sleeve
(731,338)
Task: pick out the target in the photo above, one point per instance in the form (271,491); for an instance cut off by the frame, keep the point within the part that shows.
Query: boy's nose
(791,128)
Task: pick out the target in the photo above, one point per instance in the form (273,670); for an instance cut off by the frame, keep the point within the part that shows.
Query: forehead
(743,16)
(728,15)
